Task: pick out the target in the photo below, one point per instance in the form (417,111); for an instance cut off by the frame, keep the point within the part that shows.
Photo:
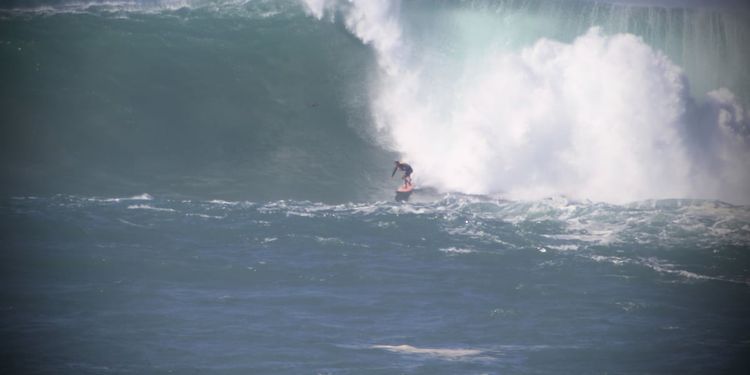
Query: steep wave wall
(254,101)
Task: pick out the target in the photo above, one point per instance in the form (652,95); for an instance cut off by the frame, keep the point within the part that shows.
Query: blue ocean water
(203,187)
(459,285)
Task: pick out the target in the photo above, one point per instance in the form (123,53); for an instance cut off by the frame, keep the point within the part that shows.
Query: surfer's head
(397,162)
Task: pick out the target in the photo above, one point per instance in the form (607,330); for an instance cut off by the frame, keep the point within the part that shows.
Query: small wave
(667,268)
(450,354)
(141,197)
(618,261)
(204,216)
(563,247)
(310,209)
(149,207)
(144,196)
(456,250)
(329,240)
(660,267)
(132,224)
(223,202)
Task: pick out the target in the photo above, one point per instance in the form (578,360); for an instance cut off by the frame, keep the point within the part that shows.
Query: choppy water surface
(458,285)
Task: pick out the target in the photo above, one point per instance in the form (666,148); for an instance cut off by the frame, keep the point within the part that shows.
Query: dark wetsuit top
(404,167)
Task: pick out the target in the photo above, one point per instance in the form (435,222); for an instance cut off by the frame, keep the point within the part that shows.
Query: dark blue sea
(204,187)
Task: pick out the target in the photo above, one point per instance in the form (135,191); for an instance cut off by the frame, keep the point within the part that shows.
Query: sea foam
(604,117)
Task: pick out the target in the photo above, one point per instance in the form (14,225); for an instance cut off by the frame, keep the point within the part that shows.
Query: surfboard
(403,192)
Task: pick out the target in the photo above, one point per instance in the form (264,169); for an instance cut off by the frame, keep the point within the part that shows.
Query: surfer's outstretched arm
(394,171)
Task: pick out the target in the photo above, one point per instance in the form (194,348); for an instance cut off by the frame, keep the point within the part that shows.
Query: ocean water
(204,186)
(459,285)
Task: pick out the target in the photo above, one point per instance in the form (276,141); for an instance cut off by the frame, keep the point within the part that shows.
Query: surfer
(407,172)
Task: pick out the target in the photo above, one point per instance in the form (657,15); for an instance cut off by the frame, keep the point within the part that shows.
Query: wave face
(313,99)
(248,100)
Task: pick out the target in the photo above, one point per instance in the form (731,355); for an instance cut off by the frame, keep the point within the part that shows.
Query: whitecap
(457,250)
(618,261)
(149,207)
(205,216)
(223,202)
(329,240)
(563,247)
(140,197)
(450,354)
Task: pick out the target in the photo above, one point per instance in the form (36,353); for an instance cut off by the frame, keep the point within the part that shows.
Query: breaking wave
(604,116)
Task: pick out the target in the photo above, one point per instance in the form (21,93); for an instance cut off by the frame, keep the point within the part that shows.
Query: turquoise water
(186,102)
(203,187)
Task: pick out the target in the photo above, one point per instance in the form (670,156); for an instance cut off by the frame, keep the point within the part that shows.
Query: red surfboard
(403,192)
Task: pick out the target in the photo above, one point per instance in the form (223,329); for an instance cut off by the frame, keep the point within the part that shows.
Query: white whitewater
(604,117)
